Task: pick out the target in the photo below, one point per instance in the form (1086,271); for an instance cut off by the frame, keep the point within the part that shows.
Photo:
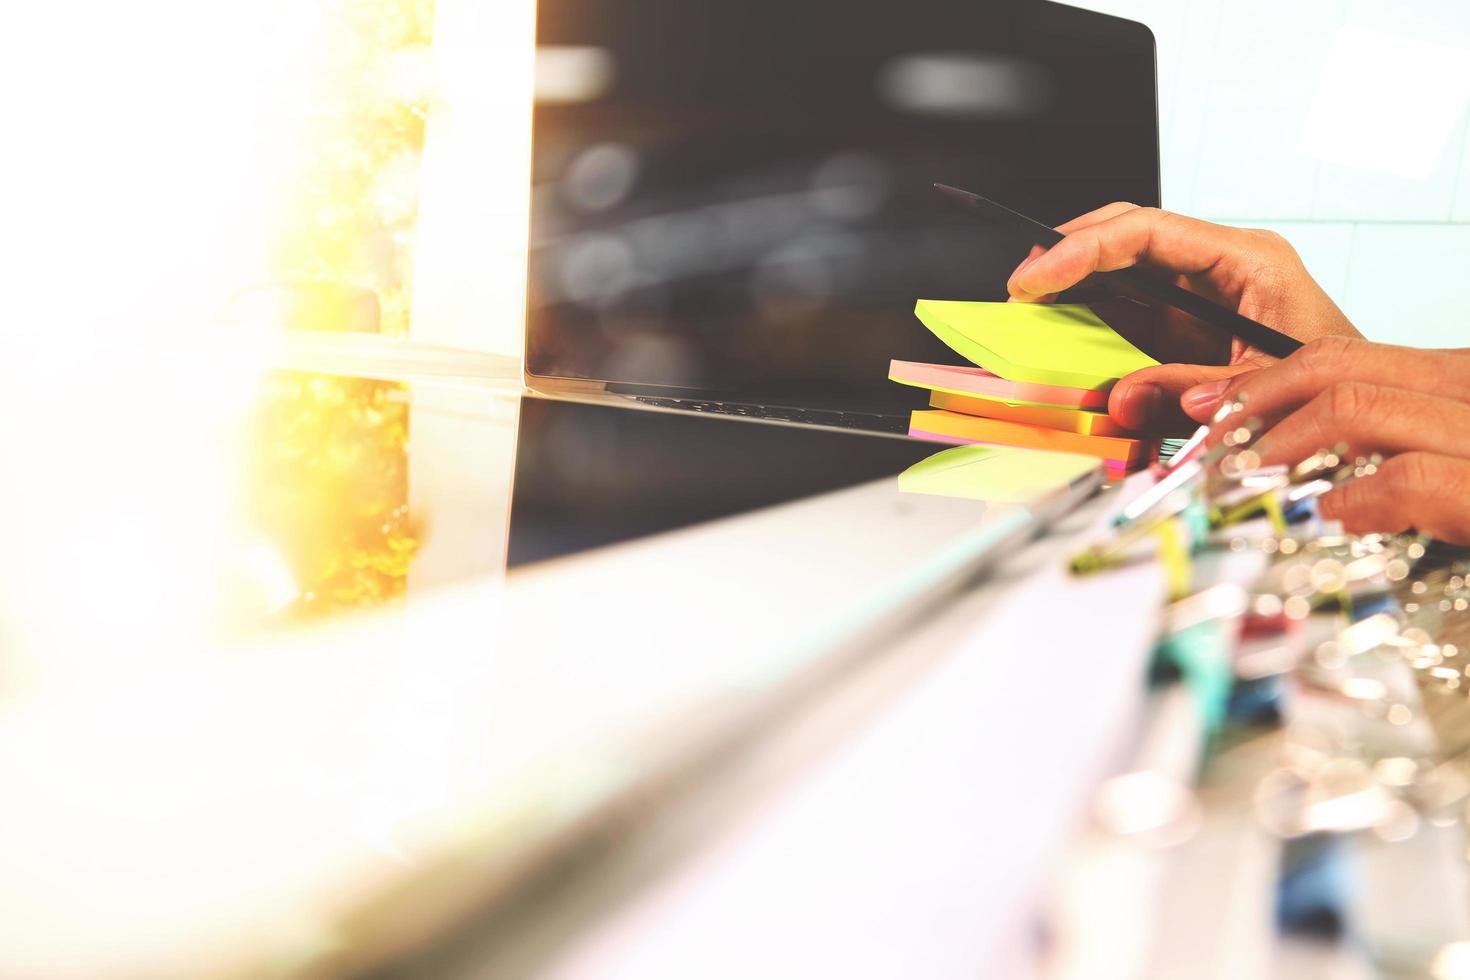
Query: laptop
(732,208)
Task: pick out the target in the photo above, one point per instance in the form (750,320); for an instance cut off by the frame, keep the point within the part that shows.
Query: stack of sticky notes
(1041,380)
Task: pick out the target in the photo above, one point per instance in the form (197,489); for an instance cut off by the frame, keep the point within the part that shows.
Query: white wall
(470,262)
(1340,124)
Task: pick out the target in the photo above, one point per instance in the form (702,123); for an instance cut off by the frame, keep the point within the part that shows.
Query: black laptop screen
(734,198)
(594,475)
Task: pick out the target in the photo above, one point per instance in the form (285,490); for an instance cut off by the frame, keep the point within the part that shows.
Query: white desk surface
(182,805)
(902,826)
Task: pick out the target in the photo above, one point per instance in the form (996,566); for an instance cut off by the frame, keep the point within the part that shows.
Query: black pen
(1135,281)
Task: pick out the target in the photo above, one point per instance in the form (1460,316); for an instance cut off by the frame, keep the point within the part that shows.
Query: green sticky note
(1038,343)
(999,474)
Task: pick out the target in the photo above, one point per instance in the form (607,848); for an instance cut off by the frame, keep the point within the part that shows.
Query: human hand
(1256,273)
(1411,406)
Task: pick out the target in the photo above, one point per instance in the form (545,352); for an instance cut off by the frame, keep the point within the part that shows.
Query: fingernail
(1202,399)
(1020,270)
(1142,404)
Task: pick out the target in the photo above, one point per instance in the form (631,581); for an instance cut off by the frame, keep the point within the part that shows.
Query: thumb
(1149,399)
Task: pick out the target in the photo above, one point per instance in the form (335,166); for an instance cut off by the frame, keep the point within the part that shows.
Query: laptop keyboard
(817,416)
(809,416)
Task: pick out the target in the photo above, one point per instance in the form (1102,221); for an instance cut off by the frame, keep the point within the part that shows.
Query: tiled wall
(1342,125)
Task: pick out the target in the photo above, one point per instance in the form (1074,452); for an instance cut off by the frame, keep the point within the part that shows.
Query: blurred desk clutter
(1302,756)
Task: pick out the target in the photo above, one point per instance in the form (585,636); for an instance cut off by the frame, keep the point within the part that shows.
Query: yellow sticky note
(1034,342)
(1001,474)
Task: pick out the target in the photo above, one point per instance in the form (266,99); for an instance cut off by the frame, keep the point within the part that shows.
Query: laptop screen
(734,199)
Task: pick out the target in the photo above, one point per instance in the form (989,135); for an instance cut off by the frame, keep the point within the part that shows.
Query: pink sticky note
(981,383)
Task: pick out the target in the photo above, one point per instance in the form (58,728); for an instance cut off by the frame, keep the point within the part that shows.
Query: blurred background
(1340,124)
(246,143)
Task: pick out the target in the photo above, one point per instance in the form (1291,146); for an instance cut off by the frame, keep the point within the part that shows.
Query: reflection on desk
(590,475)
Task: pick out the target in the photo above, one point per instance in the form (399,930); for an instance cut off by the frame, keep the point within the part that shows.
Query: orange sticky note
(1067,419)
(954,427)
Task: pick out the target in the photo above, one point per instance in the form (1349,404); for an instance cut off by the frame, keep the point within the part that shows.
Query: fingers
(1369,418)
(1125,238)
(1036,252)
(1091,218)
(1425,492)
(1148,400)
(1270,394)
